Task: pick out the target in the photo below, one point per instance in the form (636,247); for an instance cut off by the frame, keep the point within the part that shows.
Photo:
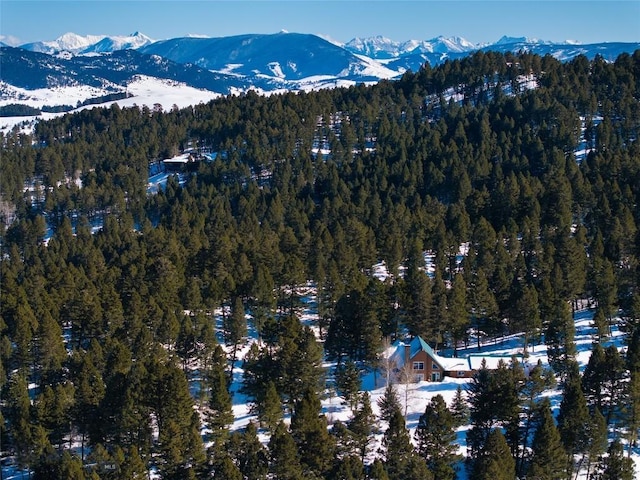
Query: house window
(418,378)
(435,377)
(418,365)
(435,366)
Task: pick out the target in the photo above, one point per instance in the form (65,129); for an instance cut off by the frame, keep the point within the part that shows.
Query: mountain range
(264,62)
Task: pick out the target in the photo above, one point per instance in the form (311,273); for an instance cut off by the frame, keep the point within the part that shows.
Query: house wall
(428,371)
(459,373)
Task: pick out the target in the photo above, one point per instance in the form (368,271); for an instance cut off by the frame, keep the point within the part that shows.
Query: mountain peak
(506,40)
(72,41)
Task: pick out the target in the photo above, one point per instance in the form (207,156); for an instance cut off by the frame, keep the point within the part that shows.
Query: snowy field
(145,91)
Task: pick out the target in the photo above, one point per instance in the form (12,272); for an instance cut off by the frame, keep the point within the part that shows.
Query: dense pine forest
(118,347)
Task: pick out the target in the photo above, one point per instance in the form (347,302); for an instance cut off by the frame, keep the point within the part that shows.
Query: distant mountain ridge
(291,56)
(79,44)
(265,62)
(379,47)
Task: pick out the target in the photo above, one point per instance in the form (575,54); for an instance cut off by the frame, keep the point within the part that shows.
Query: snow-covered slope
(112,44)
(78,44)
(383,48)
(265,63)
(291,56)
(69,42)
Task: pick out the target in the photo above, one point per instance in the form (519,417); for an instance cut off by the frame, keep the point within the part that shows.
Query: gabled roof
(470,362)
(416,346)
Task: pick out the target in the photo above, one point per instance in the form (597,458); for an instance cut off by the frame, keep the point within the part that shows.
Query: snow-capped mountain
(286,56)
(379,47)
(107,65)
(564,51)
(113,44)
(112,71)
(79,44)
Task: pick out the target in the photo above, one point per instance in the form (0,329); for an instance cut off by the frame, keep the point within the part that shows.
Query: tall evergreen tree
(219,412)
(388,402)
(235,329)
(309,430)
(457,315)
(362,425)
(560,338)
(249,453)
(495,461)
(284,461)
(348,383)
(396,446)
(573,419)
(615,465)
(549,459)
(270,408)
(435,436)
(459,408)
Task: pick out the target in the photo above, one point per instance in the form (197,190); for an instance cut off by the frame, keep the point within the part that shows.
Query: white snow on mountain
(70,42)
(112,44)
(380,47)
(374,47)
(144,91)
(78,44)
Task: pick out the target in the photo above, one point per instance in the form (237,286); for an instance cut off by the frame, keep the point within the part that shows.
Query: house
(420,360)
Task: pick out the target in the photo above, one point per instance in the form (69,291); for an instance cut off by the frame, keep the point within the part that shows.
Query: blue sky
(478,21)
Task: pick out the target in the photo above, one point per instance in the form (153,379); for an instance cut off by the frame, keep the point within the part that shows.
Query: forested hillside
(113,363)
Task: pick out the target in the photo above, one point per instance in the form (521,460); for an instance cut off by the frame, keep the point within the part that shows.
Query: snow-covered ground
(144,91)
(420,394)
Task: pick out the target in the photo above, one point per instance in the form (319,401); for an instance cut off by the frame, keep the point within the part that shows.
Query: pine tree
(615,466)
(284,460)
(435,436)
(309,430)
(495,461)
(225,469)
(89,392)
(549,459)
(249,453)
(614,382)
(19,419)
(593,377)
(362,424)
(133,467)
(632,410)
(396,446)
(539,379)
(574,419)
(598,440)
(347,468)
(378,471)
(181,452)
(527,313)
(220,413)
(419,295)
(559,337)
(457,312)
(235,329)
(601,323)
(348,383)
(270,408)
(388,403)
(459,408)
